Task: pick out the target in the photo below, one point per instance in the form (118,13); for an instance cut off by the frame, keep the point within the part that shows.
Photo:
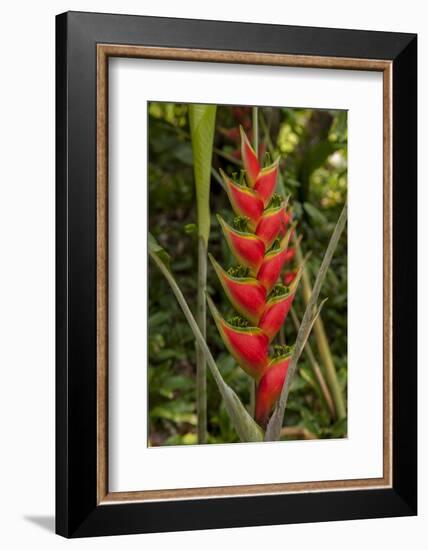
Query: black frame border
(77,512)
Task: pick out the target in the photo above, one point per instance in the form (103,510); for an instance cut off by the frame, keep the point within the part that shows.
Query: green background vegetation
(312,145)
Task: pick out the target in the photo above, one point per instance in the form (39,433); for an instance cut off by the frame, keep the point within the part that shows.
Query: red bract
(247,294)
(289,277)
(246,247)
(271,224)
(277,307)
(287,217)
(270,387)
(250,160)
(275,313)
(260,245)
(248,345)
(244,201)
(266,182)
(289,255)
(272,264)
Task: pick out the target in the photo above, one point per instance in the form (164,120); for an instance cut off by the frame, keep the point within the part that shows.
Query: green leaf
(340,428)
(315,214)
(202,123)
(318,154)
(309,422)
(175,412)
(155,248)
(190,228)
(186,439)
(183,152)
(158,319)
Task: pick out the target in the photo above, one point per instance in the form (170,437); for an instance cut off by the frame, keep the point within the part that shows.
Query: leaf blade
(202,123)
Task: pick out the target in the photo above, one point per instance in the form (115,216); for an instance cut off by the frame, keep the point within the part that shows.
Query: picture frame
(84,44)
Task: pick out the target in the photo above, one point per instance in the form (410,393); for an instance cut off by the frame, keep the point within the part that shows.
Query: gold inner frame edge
(104,51)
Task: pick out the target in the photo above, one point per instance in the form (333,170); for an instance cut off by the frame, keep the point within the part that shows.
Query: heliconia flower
(259,241)
(278,306)
(249,159)
(275,313)
(244,201)
(266,182)
(270,387)
(247,248)
(273,262)
(271,268)
(289,277)
(271,225)
(247,294)
(248,345)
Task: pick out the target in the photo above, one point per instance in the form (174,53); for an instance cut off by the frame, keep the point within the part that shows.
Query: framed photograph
(236,274)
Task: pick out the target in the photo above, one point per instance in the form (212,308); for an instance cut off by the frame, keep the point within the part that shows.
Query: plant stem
(201,366)
(202,128)
(316,369)
(256,130)
(218,178)
(252,408)
(273,430)
(266,133)
(322,345)
(227,157)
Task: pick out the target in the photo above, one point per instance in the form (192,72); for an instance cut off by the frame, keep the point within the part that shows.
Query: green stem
(273,430)
(201,366)
(256,130)
(253,387)
(202,128)
(227,157)
(323,346)
(266,132)
(218,178)
(316,368)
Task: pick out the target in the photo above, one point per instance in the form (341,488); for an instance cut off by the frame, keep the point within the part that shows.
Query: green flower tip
(275,201)
(267,161)
(239,271)
(238,321)
(276,245)
(241,223)
(280,350)
(279,290)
